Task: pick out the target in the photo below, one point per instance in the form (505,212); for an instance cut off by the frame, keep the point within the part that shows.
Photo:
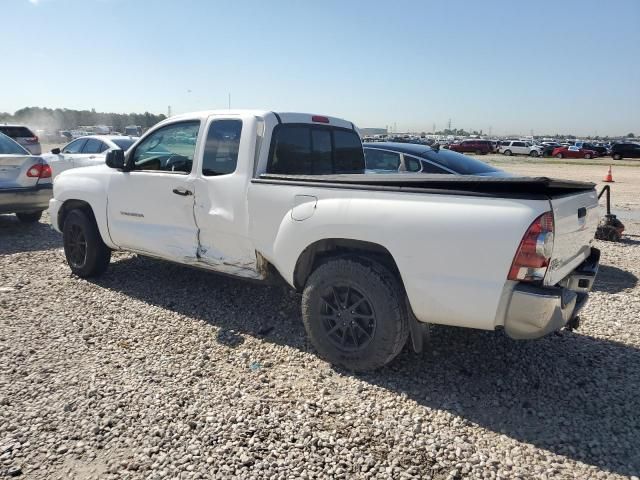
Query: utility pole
(229,100)
(168,111)
(434,128)
(449,125)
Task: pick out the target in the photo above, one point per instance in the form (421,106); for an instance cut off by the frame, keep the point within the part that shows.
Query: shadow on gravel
(614,280)
(570,394)
(18,237)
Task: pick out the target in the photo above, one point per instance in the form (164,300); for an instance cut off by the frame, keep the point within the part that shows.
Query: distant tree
(630,135)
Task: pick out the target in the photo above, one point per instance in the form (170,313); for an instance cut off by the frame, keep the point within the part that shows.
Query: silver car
(25,182)
(23,136)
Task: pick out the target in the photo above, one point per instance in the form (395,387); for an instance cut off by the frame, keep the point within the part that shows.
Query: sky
(549,66)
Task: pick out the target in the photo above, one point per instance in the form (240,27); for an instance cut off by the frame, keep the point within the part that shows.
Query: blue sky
(568,66)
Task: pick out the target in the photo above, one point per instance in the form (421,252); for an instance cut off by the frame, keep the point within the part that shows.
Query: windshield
(458,162)
(124,143)
(9,147)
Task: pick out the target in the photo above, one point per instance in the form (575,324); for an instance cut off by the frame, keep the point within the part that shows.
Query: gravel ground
(160,371)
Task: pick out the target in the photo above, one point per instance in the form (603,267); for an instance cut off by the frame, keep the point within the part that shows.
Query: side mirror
(55,151)
(115,159)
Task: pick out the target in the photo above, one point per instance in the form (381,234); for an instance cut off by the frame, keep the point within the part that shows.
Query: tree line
(54,119)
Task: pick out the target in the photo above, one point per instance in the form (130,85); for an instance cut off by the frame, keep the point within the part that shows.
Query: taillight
(39,171)
(319,119)
(534,253)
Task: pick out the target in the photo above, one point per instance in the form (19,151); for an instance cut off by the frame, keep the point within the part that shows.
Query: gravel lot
(160,371)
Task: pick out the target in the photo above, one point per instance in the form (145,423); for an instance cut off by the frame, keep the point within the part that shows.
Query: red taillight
(39,171)
(319,119)
(534,253)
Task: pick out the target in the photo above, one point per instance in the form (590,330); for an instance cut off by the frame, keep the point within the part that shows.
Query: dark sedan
(385,157)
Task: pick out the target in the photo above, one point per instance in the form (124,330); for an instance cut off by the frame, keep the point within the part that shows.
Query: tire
(617,156)
(560,155)
(533,153)
(478,152)
(31,217)
(86,253)
(374,332)
(587,156)
(507,153)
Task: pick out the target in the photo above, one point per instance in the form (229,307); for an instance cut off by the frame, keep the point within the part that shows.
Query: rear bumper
(535,311)
(29,199)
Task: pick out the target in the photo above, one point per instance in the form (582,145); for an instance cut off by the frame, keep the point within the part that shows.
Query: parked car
(548,148)
(86,151)
(24,136)
(480,147)
(390,157)
(625,150)
(574,152)
(519,147)
(25,181)
(600,150)
(258,194)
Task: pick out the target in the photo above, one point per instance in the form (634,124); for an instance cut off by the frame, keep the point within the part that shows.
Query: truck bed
(510,187)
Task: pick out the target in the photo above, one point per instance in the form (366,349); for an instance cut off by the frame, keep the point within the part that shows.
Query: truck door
(221,195)
(150,207)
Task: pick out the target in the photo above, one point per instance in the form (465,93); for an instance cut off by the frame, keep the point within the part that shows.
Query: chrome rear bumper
(535,311)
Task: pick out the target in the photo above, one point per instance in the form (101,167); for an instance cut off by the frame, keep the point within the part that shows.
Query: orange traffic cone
(609,177)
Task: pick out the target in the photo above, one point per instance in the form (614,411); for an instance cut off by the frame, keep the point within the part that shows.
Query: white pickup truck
(262,195)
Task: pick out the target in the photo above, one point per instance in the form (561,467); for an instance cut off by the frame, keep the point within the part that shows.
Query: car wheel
(560,155)
(86,253)
(507,153)
(587,156)
(354,312)
(533,153)
(31,217)
(478,152)
(617,156)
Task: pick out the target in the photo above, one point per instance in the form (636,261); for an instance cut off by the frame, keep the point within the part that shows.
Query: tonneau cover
(462,184)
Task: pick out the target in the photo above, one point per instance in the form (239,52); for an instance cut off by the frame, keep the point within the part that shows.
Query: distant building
(369,132)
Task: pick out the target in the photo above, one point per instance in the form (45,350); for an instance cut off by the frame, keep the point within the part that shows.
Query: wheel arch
(317,252)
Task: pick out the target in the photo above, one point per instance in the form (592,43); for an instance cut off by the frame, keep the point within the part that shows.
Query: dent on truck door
(150,209)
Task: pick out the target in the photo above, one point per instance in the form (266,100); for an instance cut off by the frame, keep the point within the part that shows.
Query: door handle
(182,191)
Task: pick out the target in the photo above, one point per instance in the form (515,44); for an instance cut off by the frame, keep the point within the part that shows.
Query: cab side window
(221,148)
(168,149)
(412,164)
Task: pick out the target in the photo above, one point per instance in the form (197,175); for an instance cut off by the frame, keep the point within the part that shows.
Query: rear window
(457,162)
(16,132)
(302,149)
(124,144)
(9,147)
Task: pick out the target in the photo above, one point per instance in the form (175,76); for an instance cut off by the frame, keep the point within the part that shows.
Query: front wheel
(31,217)
(559,155)
(587,156)
(354,313)
(617,156)
(86,253)
(533,153)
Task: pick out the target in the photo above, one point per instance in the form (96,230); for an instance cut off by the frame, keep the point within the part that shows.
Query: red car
(480,147)
(573,152)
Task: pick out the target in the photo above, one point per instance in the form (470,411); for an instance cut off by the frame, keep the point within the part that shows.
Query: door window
(75,146)
(412,164)
(168,149)
(518,144)
(221,148)
(381,160)
(92,146)
(103,147)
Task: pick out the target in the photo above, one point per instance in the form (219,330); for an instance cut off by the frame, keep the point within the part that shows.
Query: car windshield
(9,147)
(457,162)
(124,143)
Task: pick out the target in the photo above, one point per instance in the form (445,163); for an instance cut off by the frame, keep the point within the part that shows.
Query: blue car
(392,157)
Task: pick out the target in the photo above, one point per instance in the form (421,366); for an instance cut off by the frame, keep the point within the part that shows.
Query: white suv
(519,147)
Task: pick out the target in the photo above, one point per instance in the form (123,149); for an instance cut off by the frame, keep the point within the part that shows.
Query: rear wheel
(86,253)
(31,217)
(617,156)
(560,155)
(587,156)
(507,153)
(478,152)
(354,313)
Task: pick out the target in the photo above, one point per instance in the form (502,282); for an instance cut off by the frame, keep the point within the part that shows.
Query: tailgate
(576,217)
(13,171)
